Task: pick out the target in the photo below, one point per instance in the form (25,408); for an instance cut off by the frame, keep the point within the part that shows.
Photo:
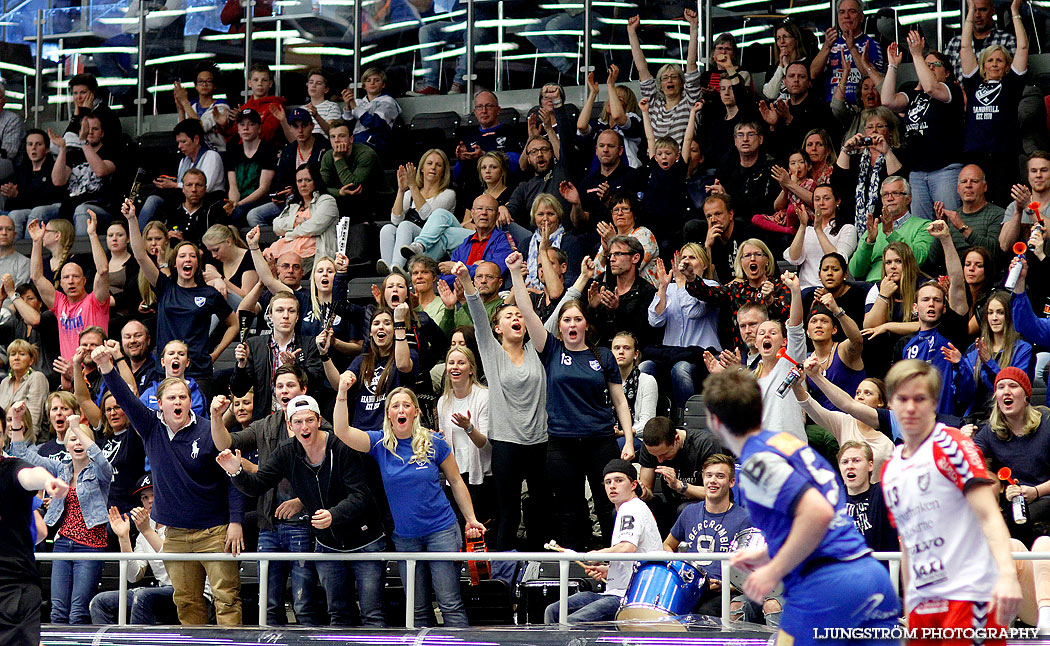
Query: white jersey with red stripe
(948,555)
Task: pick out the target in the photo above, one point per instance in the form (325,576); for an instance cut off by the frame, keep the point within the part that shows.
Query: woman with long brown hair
(582,381)
(185,304)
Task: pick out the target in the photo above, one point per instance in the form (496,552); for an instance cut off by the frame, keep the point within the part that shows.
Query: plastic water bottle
(1020,509)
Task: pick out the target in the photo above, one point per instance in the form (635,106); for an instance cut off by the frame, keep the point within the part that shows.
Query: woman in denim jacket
(81,516)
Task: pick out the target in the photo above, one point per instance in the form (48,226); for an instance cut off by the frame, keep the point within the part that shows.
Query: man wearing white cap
(330,480)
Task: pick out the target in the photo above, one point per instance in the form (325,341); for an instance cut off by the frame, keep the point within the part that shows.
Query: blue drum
(662,591)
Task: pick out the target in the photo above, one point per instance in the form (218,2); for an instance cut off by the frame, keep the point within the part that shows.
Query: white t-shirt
(784,414)
(475,462)
(636,525)
(925,495)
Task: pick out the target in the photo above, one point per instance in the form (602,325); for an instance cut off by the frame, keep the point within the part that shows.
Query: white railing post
(563,593)
(264,589)
(410,594)
(726,583)
(122,594)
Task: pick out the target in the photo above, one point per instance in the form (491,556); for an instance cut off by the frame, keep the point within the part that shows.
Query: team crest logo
(988,94)
(924,481)
(199,301)
(595,365)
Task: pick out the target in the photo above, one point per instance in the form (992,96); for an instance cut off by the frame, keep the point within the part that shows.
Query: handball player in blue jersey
(830,579)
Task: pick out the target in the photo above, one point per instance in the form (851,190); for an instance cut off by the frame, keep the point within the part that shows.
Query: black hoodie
(339,485)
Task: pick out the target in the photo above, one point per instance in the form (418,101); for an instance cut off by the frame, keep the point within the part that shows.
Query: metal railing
(410,558)
(603,20)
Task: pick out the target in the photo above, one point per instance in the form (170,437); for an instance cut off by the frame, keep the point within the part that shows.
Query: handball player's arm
(1007,593)
(813,515)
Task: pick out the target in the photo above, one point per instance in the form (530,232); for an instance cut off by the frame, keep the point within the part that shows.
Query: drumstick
(553,546)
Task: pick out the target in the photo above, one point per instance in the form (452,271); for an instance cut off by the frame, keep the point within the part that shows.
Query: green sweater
(360,166)
(866,263)
(449,321)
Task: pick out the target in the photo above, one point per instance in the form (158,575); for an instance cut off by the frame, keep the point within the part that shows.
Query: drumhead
(745,539)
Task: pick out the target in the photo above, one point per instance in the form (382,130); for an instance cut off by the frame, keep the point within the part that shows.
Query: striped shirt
(671,122)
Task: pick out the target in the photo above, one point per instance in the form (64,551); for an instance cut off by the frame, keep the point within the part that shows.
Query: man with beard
(985,34)
(895,223)
(622,303)
(258,357)
(548,175)
(283,525)
(337,505)
(589,204)
(487,280)
(135,340)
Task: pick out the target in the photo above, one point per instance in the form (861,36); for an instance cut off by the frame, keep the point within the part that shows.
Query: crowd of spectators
(547,301)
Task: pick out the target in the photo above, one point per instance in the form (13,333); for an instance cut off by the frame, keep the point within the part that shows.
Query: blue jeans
(683,379)
(149,210)
(433,35)
(586,606)
(22,217)
(441,576)
(560,43)
(263,215)
(928,187)
(441,234)
(291,537)
(73,584)
(146,606)
(394,236)
(369,578)
(80,218)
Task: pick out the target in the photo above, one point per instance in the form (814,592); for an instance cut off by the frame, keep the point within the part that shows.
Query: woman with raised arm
(412,460)
(185,305)
(81,517)
(385,365)
(994,80)
(934,120)
(839,361)
(73,306)
(518,399)
(671,100)
(861,418)
(582,381)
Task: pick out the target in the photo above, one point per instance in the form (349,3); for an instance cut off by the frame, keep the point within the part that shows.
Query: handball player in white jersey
(956,562)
